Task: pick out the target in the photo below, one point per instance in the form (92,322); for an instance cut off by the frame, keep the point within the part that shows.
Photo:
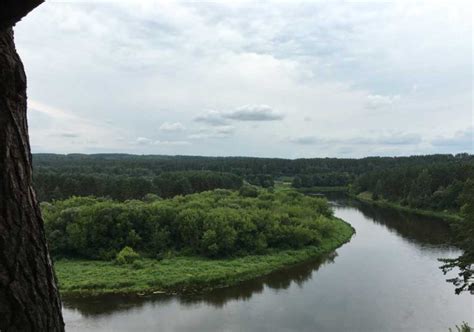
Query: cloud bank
(274,79)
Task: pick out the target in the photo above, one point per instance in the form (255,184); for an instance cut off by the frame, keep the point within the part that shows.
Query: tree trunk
(29,298)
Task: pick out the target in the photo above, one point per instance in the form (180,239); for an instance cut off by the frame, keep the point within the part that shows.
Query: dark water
(385,279)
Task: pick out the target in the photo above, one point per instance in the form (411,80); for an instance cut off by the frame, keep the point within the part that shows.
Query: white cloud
(461,141)
(243,113)
(68,131)
(113,70)
(381,140)
(172,126)
(148,141)
(378,101)
(305,140)
(171,143)
(143,140)
(253,113)
(213,132)
(213,118)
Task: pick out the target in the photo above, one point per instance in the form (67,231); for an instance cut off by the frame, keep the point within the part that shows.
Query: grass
(183,274)
(445,215)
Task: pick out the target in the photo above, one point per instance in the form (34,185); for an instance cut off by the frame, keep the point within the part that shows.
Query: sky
(268,79)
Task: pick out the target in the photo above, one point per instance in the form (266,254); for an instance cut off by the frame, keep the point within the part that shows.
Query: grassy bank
(366,197)
(184,274)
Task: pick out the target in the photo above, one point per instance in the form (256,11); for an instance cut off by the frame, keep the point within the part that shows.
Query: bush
(138,265)
(126,256)
(248,191)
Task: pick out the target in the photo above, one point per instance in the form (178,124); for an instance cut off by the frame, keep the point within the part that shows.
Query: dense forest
(122,176)
(53,185)
(217,223)
(434,182)
(437,186)
(223,223)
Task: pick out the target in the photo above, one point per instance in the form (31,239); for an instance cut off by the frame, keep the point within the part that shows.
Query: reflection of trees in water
(282,279)
(417,229)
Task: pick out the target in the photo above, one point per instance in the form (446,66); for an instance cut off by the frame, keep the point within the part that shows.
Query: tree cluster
(330,179)
(55,184)
(217,223)
(437,186)
(51,171)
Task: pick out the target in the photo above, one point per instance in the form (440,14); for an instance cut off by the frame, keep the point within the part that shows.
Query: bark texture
(29,298)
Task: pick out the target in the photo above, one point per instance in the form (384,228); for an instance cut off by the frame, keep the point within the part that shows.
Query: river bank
(184,274)
(385,272)
(366,197)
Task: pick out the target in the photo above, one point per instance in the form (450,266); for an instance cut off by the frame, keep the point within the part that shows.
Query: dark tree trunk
(29,298)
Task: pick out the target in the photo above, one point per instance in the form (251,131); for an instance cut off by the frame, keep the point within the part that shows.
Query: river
(385,279)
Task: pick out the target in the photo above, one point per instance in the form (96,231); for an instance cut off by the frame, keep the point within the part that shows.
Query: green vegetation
(367,197)
(222,224)
(436,186)
(121,176)
(463,328)
(462,224)
(126,256)
(192,242)
(219,223)
(465,235)
(330,179)
(444,190)
(129,184)
(184,273)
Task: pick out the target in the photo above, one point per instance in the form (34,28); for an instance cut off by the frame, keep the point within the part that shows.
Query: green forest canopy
(219,223)
(435,182)
(121,176)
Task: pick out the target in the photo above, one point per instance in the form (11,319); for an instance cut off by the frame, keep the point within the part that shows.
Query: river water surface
(385,279)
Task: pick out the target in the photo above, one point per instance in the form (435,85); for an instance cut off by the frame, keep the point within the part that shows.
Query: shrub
(127,256)
(138,265)
(248,191)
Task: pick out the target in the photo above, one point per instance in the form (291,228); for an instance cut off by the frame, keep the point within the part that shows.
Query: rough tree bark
(29,298)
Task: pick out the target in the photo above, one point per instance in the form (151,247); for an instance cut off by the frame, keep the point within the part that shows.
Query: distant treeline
(122,176)
(53,184)
(330,179)
(436,186)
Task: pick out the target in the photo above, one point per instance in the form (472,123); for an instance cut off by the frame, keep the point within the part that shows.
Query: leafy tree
(465,231)
(378,190)
(248,191)
(463,328)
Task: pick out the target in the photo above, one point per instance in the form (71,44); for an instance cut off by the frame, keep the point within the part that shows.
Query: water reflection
(106,304)
(417,229)
(386,279)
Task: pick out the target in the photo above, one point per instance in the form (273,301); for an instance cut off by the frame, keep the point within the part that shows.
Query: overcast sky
(276,79)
